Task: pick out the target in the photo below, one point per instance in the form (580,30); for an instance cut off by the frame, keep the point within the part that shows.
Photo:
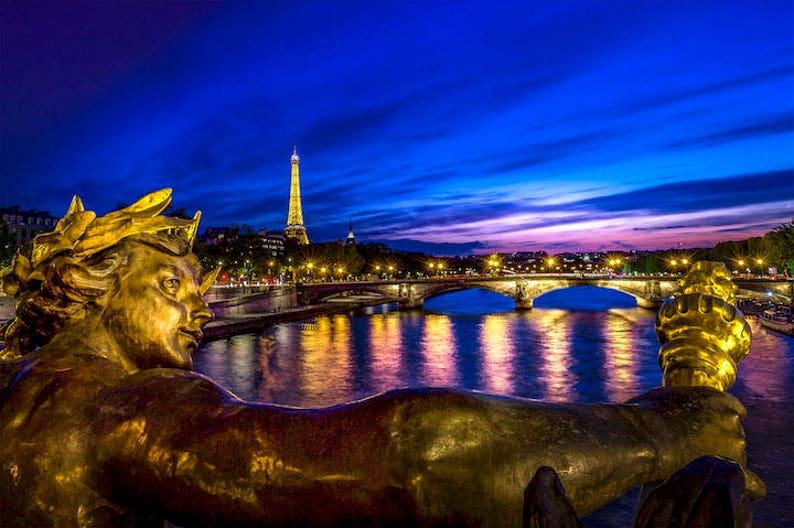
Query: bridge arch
(311,293)
(342,295)
(602,297)
(457,289)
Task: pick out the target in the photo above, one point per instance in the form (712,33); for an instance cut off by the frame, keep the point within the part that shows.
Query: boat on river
(779,318)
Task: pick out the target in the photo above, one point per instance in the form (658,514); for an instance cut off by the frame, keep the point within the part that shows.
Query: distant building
(25,225)
(351,239)
(215,235)
(380,246)
(273,242)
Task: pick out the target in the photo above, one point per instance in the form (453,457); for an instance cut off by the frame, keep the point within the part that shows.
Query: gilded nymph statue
(103,423)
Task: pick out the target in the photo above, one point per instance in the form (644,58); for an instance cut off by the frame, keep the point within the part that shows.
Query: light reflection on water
(553,331)
(385,344)
(497,349)
(438,345)
(472,340)
(326,349)
(621,364)
(549,354)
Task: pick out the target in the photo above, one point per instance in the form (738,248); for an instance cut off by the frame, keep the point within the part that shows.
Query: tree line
(245,256)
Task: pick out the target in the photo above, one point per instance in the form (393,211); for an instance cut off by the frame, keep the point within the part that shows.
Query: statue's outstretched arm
(177,444)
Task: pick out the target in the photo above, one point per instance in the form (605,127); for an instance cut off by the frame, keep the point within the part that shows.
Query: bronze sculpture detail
(703,335)
(103,424)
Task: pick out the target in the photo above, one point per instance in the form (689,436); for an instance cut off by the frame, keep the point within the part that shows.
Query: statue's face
(157,314)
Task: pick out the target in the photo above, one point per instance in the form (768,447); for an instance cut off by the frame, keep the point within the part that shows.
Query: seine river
(582,344)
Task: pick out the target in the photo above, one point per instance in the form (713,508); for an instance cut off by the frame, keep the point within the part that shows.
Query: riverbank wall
(259,302)
(245,323)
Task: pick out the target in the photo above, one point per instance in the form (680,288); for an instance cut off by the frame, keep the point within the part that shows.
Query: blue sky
(470,126)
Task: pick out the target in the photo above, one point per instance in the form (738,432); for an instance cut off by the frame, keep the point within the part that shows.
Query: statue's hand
(695,421)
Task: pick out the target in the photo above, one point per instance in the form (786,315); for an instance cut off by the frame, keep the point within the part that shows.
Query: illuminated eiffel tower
(295,228)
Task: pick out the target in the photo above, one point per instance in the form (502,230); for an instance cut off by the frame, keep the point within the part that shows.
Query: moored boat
(780,319)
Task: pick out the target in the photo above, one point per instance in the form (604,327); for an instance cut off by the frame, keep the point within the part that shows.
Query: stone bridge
(648,292)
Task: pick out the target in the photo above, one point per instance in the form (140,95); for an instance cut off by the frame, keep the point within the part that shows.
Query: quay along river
(582,344)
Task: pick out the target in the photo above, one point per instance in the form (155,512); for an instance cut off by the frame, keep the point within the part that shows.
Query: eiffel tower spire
(295,228)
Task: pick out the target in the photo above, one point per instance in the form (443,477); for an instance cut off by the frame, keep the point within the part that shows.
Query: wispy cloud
(781,124)
(492,126)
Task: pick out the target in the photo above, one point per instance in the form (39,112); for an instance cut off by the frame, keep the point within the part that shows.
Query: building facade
(24,225)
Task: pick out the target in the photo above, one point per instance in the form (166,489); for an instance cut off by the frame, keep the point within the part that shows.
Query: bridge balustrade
(649,291)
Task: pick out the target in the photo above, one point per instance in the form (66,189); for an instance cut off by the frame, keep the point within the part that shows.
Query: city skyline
(463,127)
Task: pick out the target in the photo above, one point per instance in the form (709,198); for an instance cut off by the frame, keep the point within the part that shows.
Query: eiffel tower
(295,228)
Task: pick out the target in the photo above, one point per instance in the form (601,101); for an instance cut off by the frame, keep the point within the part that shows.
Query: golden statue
(102,422)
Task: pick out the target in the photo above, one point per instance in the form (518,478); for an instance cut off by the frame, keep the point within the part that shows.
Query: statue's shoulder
(176,385)
(59,374)
(76,365)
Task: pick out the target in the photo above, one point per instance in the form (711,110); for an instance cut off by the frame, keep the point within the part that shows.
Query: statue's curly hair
(61,276)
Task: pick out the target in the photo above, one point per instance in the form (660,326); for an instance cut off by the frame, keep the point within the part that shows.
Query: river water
(582,344)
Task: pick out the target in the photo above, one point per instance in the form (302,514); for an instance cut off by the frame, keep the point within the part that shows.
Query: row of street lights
(745,265)
(494,265)
(334,271)
(741,264)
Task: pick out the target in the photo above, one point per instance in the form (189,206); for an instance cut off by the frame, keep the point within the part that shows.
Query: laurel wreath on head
(80,235)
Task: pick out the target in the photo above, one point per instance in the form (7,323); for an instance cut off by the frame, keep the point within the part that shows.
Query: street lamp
(493,263)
